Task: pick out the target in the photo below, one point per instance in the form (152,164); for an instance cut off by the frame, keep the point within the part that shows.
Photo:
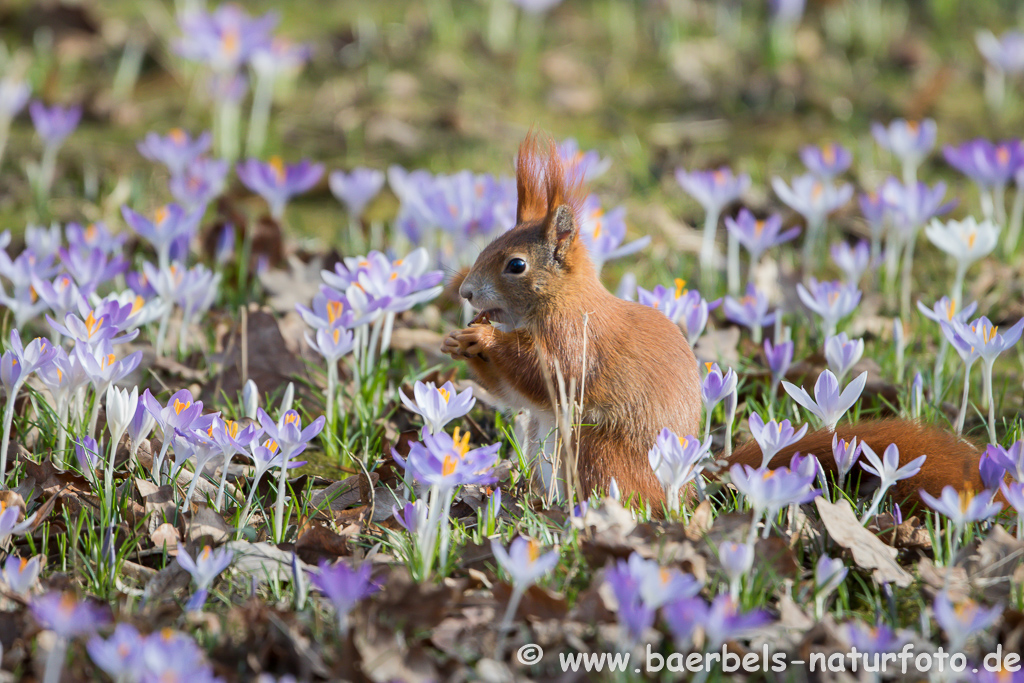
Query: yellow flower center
(445,394)
(534,550)
(161,214)
(180,406)
(460,444)
(177,136)
(277,165)
(971,237)
(449,465)
(828,154)
(230,42)
(680,287)
(92,325)
(334,310)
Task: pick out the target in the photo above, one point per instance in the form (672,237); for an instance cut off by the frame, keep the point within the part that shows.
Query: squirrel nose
(466,293)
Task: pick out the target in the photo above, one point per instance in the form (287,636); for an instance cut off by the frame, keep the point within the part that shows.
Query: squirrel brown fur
(540,297)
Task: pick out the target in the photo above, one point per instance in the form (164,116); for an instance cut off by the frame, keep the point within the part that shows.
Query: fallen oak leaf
(868,551)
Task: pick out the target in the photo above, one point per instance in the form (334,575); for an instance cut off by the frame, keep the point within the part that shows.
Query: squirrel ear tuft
(562,231)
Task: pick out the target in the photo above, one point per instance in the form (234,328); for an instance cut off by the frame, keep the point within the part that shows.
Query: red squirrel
(540,297)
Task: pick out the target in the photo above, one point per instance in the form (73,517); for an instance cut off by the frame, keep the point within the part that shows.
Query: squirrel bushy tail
(950,461)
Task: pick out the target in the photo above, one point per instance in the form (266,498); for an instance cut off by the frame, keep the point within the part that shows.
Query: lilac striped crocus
(54,124)
(344,587)
(201,181)
(750,311)
(603,232)
(176,150)
(843,353)
(963,508)
(814,199)
(714,190)
(962,620)
(225,38)
(770,490)
(778,357)
(204,569)
(438,405)
(278,182)
(587,165)
(888,469)
(773,436)
(721,621)
(826,162)
(831,301)
(676,461)
(845,454)
(853,261)
(356,189)
(828,404)
(908,141)
(758,235)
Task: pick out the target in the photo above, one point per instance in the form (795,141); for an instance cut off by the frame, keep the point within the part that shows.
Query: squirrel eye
(516,266)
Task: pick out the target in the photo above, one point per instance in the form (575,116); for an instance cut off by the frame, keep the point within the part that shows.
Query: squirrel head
(541,263)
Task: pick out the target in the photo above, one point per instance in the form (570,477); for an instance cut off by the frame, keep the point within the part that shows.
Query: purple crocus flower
(279,57)
(169,224)
(845,453)
(177,150)
(913,205)
(826,162)
(853,261)
(770,490)
(63,614)
(224,39)
(288,432)
(887,468)
(204,568)
(1014,494)
(446,462)
(946,310)
(62,295)
(412,516)
(87,453)
(277,182)
(676,461)
(842,353)
(831,301)
(963,508)
(20,574)
(812,198)
(828,404)
(94,236)
(1010,459)
(604,232)
(54,124)
(332,344)
(963,620)
(991,470)
(201,181)
(523,561)
(714,190)
(716,386)
(758,236)
(586,165)
(179,414)
(773,436)
(21,361)
(536,7)
(750,311)
(986,338)
(344,587)
(121,655)
(9,524)
(634,614)
(737,559)
(98,325)
(871,640)
(356,189)
(721,621)
(1005,53)
(93,267)
(14,96)
(909,141)
(779,357)
(787,13)
(828,574)
(438,405)
(986,163)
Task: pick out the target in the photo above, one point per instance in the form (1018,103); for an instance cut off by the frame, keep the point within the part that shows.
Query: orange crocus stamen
(180,406)
(277,165)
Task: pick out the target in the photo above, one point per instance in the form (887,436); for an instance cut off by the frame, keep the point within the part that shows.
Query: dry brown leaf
(320,543)
(868,551)
(166,536)
(206,527)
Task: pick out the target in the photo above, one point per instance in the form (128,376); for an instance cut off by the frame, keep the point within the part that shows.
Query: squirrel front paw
(470,342)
